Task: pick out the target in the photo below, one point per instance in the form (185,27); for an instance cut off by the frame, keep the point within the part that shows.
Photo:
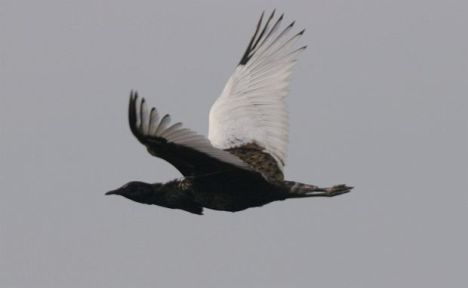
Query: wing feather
(192,154)
(251,108)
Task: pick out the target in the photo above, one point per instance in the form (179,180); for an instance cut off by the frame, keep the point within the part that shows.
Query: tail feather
(300,190)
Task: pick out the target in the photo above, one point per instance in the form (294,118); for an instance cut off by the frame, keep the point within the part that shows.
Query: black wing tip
(272,14)
(264,34)
(132,114)
(246,56)
(133,93)
(135,113)
(165,117)
(134,98)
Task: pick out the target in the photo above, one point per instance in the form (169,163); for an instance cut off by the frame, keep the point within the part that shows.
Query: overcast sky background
(378,101)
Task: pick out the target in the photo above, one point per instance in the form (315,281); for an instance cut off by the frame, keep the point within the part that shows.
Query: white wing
(251,108)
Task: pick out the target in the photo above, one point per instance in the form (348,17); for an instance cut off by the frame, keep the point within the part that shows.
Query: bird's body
(230,191)
(240,165)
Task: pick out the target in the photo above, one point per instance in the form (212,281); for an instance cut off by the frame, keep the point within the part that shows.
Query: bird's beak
(113,192)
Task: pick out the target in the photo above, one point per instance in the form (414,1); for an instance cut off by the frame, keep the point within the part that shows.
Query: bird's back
(258,159)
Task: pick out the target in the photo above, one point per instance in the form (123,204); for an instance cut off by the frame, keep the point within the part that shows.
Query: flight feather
(252,108)
(189,152)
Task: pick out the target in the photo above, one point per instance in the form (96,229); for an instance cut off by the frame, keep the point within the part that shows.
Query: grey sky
(378,101)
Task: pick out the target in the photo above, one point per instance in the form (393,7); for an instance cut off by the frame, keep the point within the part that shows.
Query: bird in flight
(240,164)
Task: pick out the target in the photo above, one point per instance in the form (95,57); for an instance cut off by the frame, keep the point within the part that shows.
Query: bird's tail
(301,190)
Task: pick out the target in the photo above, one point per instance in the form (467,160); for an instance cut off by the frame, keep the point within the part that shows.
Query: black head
(136,191)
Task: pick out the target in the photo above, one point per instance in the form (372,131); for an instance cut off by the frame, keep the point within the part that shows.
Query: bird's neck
(174,194)
(157,193)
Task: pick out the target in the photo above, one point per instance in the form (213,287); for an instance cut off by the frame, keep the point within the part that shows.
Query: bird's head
(136,191)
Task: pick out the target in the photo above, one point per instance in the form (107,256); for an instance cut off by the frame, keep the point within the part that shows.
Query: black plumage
(223,174)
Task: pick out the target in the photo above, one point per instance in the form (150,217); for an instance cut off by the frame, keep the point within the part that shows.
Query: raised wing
(251,108)
(192,154)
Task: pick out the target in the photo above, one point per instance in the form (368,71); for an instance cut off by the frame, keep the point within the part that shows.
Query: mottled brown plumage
(260,160)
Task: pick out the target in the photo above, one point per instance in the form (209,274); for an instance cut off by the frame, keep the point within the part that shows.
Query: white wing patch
(149,124)
(251,108)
